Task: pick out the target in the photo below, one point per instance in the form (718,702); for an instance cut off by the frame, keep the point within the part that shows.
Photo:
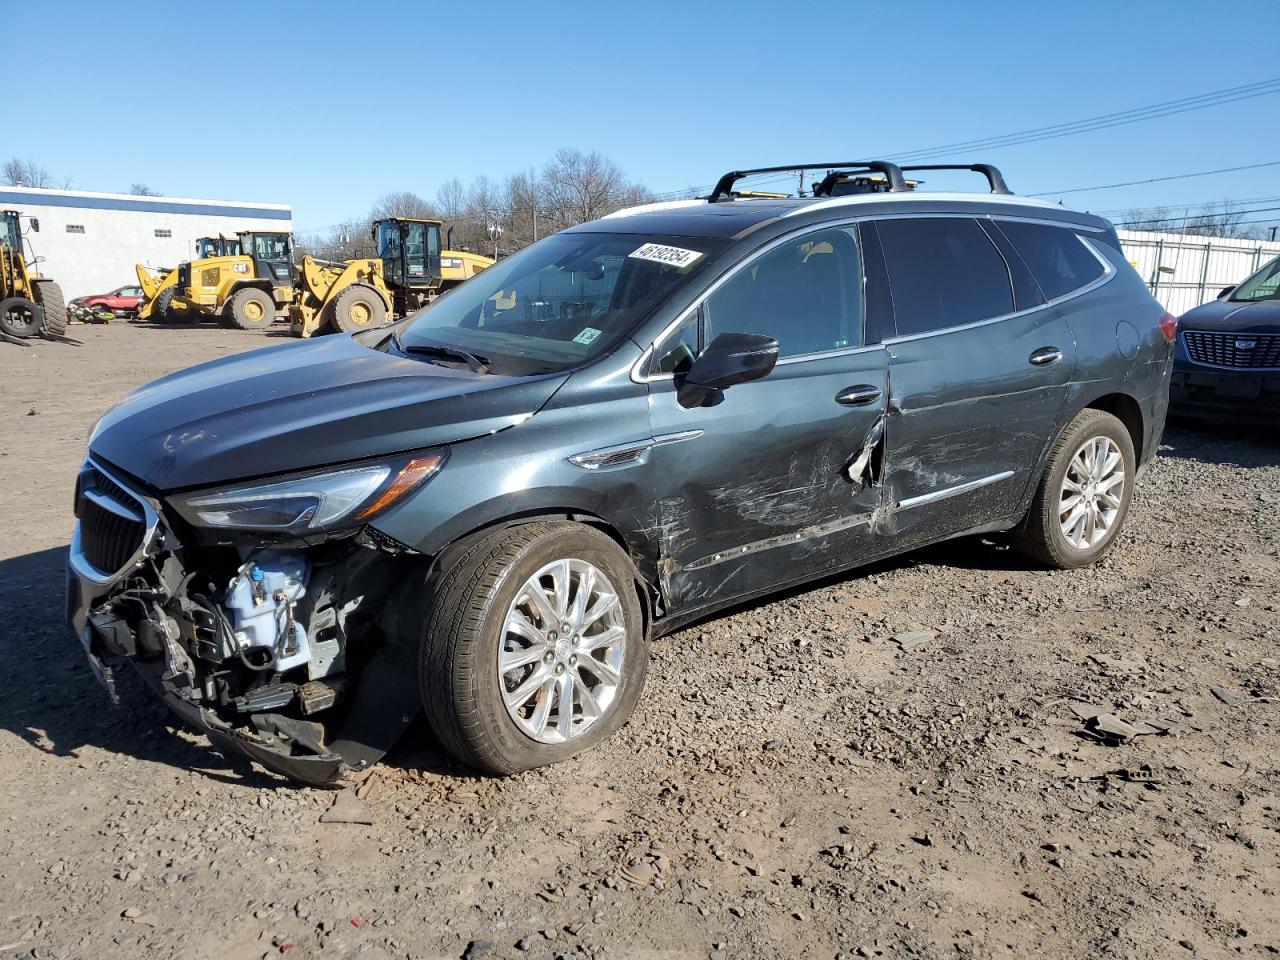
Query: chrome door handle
(1045,356)
(859,395)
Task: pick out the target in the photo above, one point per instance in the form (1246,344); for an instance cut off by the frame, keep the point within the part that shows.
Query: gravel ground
(795,783)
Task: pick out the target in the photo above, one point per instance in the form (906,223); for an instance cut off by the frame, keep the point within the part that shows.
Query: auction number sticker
(587,335)
(672,256)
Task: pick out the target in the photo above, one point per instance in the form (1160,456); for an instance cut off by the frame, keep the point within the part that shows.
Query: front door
(774,482)
(977,370)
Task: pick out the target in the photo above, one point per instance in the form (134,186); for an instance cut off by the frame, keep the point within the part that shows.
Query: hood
(1228,316)
(306,404)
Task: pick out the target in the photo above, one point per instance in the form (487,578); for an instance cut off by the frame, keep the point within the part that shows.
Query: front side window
(943,272)
(1058,259)
(1263,285)
(806,293)
(561,301)
(270,247)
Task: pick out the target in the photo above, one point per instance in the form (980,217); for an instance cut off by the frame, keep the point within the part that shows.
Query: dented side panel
(781,482)
(968,406)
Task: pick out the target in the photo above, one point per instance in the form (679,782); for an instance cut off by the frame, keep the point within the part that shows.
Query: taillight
(1168,326)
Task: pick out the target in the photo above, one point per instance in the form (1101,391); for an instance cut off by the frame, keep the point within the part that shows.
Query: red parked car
(122,302)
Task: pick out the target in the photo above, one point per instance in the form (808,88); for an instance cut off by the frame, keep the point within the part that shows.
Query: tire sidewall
(1101,425)
(516,750)
(244,296)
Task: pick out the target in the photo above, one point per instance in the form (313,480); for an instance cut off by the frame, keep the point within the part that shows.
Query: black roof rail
(892,172)
(994,177)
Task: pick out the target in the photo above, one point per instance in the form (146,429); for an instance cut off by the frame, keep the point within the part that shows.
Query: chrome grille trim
(1224,351)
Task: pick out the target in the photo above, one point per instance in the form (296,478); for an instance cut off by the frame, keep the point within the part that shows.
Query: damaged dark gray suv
(487,511)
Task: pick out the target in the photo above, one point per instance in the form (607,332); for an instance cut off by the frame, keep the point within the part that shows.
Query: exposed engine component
(261,603)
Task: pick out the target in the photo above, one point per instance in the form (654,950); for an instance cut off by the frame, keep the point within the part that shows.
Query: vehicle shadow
(1237,444)
(50,699)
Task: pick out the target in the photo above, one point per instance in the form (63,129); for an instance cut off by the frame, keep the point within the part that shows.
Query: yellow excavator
(246,282)
(409,272)
(30,305)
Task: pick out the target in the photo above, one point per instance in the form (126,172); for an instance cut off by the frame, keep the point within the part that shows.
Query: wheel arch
(1128,411)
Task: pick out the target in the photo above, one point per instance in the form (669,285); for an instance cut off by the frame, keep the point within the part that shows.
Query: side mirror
(35,224)
(1224,291)
(729,359)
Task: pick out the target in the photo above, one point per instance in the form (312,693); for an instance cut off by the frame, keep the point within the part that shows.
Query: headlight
(319,501)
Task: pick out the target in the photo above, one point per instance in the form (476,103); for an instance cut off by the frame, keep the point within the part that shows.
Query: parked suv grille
(1252,351)
(112,524)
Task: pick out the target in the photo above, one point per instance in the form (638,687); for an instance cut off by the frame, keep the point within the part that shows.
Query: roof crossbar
(892,172)
(994,177)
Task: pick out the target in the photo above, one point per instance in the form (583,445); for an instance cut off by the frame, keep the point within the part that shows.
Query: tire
(357,308)
(251,309)
(162,310)
(20,317)
(462,691)
(1042,535)
(54,305)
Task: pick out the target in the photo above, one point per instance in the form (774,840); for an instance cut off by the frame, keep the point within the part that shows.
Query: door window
(943,272)
(806,293)
(1059,260)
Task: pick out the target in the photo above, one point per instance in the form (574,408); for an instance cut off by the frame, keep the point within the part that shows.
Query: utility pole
(1273,233)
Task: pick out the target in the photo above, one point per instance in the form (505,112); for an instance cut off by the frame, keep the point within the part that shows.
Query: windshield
(216,247)
(561,302)
(1263,285)
(10,233)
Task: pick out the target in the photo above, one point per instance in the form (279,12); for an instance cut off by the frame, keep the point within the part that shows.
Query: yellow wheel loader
(409,272)
(159,286)
(30,305)
(247,286)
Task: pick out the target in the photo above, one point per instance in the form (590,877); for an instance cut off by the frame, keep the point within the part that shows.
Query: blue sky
(328,105)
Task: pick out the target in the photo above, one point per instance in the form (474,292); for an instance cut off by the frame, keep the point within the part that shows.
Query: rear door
(978,367)
(769,485)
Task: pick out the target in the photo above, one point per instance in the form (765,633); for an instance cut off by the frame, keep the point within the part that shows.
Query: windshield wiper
(477,363)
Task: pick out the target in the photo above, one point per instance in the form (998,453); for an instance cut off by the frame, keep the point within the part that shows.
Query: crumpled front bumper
(385,703)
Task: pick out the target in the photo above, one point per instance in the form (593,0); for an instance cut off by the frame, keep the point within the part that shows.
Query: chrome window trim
(1218,366)
(934,496)
(1109,271)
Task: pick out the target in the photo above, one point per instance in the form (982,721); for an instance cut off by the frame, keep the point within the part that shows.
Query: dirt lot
(795,783)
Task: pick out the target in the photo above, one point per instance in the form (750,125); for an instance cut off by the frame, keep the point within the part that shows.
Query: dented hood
(307,404)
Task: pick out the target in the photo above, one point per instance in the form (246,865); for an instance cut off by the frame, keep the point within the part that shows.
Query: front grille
(112,524)
(1245,351)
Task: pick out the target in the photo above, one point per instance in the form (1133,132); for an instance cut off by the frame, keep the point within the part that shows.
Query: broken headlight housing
(310,503)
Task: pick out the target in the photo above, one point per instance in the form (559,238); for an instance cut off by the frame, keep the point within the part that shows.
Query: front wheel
(535,647)
(1084,494)
(251,309)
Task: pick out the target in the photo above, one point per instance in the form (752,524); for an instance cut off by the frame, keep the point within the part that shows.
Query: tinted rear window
(943,273)
(1058,259)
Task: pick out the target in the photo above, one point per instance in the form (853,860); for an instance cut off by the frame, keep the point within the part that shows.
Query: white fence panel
(1183,271)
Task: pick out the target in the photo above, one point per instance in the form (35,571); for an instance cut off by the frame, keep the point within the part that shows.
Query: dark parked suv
(488,510)
(1227,365)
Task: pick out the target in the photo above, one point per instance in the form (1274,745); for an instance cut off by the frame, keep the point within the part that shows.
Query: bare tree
(578,187)
(26,173)
(142,190)
(402,203)
(451,199)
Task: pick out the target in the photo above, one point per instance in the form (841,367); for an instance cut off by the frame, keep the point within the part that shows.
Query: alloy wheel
(1092,492)
(561,654)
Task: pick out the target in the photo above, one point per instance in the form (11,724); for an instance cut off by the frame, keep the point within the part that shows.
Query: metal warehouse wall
(1196,268)
(90,242)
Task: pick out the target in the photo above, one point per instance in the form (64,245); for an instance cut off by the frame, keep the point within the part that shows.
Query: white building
(89,242)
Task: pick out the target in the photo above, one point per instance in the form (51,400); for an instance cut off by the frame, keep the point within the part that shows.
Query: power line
(1188,205)
(1102,122)
(1188,216)
(1133,183)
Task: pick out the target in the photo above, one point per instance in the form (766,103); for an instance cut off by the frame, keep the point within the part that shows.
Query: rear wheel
(357,308)
(1084,494)
(251,309)
(19,317)
(535,647)
(54,306)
